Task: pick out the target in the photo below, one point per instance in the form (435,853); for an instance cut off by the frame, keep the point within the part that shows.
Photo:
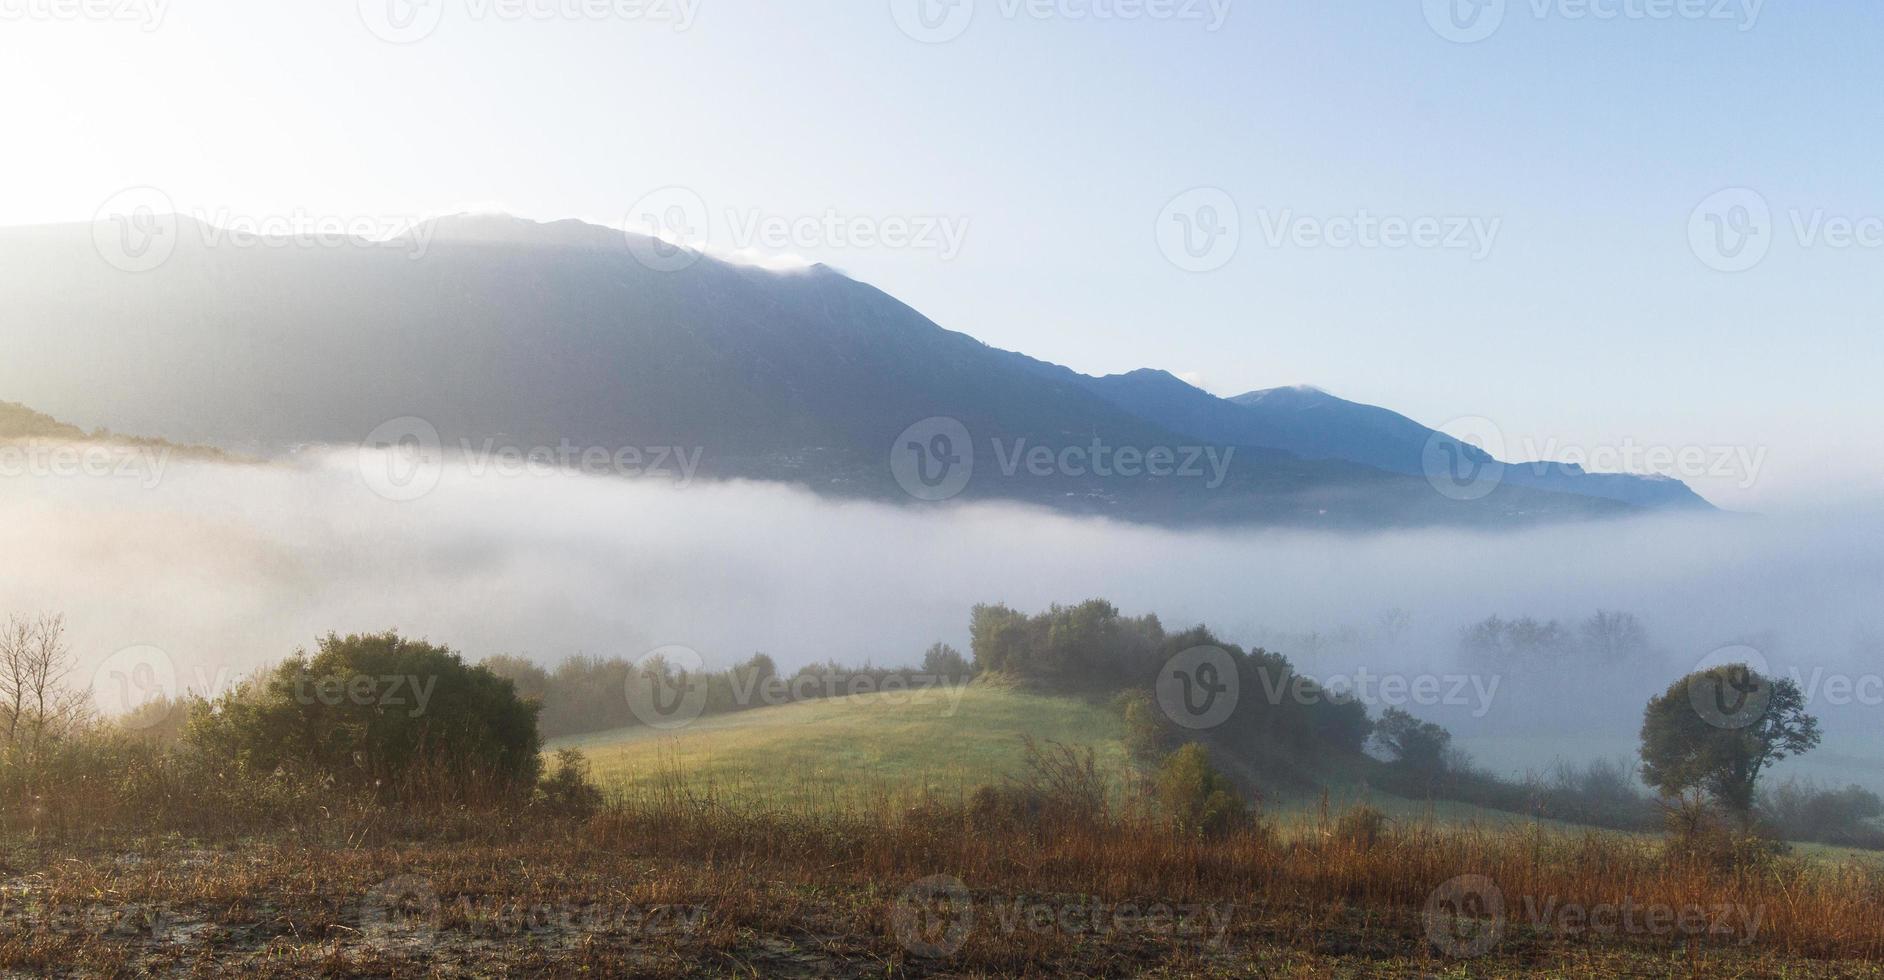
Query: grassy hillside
(856,749)
(872,748)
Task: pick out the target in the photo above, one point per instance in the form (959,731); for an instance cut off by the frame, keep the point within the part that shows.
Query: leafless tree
(35,662)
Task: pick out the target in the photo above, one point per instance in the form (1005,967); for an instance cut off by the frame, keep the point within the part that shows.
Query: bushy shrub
(1197,797)
(569,790)
(403,717)
(1148,733)
(1703,835)
(1061,787)
(1361,827)
(1803,811)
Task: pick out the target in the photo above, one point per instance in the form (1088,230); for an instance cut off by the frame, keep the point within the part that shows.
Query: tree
(944,661)
(1717,730)
(382,711)
(1614,638)
(1417,746)
(34,664)
(1512,644)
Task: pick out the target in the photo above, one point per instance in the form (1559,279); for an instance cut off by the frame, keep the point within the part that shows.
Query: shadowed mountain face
(543,335)
(1312,424)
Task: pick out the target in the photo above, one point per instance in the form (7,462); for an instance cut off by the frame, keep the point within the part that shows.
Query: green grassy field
(874,749)
(856,749)
(871,748)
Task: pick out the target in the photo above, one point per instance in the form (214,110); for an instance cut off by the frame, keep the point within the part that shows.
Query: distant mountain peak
(1290,396)
(496,228)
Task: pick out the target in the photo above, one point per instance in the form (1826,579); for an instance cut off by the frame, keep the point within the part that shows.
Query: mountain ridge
(532,332)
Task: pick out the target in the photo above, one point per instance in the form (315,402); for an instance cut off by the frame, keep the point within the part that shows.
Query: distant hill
(19,423)
(495,328)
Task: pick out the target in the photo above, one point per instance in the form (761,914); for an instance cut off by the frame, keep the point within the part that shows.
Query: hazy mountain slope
(1317,425)
(1313,424)
(543,334)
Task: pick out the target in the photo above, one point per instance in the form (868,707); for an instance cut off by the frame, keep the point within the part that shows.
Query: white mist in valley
(227,568)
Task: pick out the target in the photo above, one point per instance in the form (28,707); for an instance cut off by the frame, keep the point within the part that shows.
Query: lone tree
(1717,730)
(35,705)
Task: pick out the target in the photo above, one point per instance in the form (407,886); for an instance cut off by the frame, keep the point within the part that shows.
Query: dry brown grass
(677,882)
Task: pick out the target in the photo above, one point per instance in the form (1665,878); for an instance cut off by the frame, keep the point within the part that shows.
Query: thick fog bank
(225,568)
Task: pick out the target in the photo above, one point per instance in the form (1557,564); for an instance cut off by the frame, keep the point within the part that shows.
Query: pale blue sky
(1590,322)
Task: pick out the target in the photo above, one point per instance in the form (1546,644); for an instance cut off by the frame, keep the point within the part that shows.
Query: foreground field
(683,890)
(726,851)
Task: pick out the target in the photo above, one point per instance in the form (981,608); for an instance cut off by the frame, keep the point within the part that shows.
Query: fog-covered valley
(227,567)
